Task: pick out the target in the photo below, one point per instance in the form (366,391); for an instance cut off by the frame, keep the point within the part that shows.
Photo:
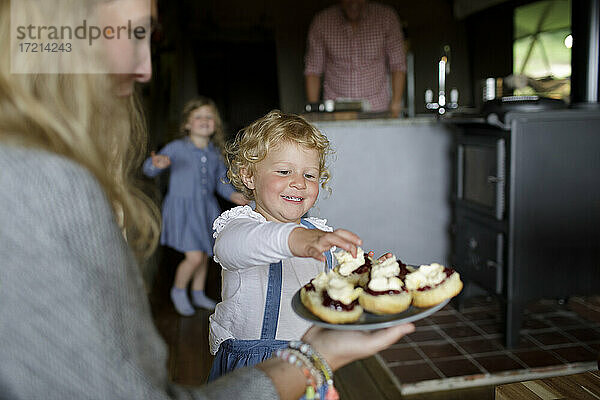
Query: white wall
(391,186)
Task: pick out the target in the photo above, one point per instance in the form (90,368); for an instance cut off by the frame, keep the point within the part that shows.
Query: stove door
(479,252)
(481,174)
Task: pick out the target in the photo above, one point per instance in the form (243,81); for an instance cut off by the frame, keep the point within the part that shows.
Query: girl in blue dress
(190,206)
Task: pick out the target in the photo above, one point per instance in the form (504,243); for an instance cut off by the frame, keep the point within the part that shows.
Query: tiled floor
(451,344)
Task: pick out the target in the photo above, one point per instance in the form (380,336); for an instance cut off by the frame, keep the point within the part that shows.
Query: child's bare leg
(199,276)
(187,268)
(199,298)
(183,275)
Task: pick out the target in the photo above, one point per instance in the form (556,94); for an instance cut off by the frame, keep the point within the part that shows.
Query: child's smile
(201,122)
(292,198)
(286,182)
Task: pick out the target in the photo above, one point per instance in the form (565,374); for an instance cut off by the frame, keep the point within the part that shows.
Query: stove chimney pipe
(585,53)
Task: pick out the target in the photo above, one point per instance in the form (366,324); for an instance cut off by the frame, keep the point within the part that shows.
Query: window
(542,48)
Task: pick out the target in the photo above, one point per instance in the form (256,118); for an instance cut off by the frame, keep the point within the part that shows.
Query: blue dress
(190,205)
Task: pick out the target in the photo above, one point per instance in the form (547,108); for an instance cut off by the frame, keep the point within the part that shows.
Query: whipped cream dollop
(386,268)
(426,275)
(341,290)
(346,263)
(320,281)
(382,283)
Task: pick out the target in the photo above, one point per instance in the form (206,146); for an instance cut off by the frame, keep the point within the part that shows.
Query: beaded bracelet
(314,379)
(319,362)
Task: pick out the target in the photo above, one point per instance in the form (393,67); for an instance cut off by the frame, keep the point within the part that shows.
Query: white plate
(367,321)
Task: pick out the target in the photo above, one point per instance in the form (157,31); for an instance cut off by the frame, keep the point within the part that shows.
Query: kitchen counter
(390,185)
(353,117)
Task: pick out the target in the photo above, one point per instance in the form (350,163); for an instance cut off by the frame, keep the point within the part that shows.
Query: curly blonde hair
(218,138)
(252,144)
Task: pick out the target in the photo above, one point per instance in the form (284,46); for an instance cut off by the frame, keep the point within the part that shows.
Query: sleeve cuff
(312,72)
(398,67)
(285,236)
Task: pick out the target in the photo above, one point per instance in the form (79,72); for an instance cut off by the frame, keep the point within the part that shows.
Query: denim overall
(234,353)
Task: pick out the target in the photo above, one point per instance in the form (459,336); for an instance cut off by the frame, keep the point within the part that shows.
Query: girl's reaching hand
(160,161)
(314,242)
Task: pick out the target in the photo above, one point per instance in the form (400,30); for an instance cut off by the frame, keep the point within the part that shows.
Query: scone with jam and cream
(355,269)
(385,292)
(332,298)
(432,284)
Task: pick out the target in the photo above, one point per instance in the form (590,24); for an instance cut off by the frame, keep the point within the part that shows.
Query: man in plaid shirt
(355,45)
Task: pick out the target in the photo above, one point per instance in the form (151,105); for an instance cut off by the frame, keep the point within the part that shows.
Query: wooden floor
(190,359)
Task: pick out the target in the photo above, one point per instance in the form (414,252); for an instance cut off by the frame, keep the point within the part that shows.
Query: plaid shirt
(355,64)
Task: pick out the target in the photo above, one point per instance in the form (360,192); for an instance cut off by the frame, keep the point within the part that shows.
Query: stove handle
(499,178)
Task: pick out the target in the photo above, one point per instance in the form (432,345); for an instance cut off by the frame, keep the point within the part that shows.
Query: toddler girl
(268,253)
(197,171)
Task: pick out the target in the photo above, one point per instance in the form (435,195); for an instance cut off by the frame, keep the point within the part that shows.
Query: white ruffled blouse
(245,246)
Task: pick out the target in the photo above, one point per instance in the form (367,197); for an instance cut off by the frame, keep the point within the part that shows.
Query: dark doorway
(240,76)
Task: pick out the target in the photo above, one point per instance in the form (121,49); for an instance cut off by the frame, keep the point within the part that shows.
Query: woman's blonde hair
(80,117)
(218,138)
(252,144)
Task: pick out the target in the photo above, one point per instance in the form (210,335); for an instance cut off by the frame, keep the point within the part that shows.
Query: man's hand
(398,83)
(395,109)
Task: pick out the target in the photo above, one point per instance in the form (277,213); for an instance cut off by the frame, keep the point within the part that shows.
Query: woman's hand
(337,347)
(314,242)
(342,347)
(160,161)
(239,199)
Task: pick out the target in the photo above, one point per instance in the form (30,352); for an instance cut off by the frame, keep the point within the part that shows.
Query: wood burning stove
(526,203)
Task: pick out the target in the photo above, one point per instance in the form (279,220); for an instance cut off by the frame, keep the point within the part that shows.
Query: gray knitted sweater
(74,318)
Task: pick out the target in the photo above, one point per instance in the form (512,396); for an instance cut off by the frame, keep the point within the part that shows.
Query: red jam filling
(403,270)
(376,293)
(309,287)
(447,271)
(337,305)
(366,267)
